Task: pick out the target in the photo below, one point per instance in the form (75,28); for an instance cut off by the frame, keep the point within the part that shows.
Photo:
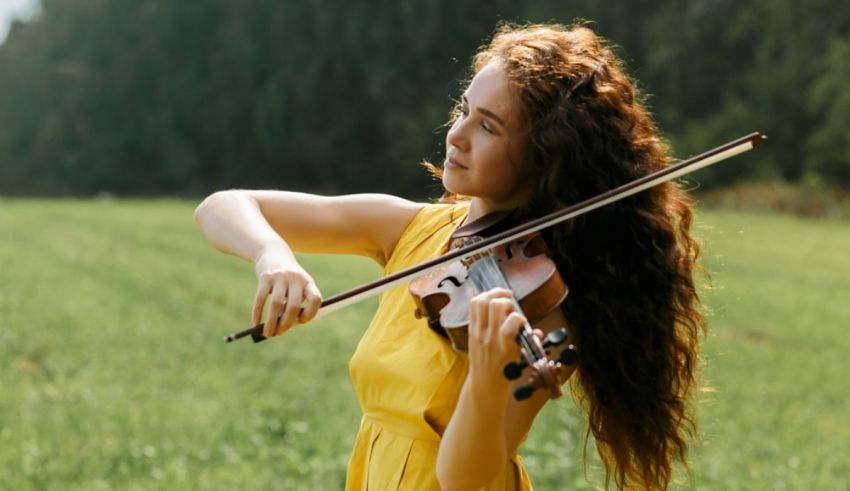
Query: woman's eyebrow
(490,114)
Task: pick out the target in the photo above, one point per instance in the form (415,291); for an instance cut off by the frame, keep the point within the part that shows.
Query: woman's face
(485,145)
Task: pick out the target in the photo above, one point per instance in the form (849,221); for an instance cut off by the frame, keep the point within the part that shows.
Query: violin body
(524,266)
(443,296)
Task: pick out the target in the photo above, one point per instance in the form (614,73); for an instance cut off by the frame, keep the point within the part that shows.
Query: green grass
(113,374)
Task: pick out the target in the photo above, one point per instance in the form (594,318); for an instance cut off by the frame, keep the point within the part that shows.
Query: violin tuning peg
(513,370)
(523,392)
(554,338)
(569,356)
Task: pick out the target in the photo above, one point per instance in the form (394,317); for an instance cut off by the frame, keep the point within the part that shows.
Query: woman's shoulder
(430,229)
(440,212)
(435,216)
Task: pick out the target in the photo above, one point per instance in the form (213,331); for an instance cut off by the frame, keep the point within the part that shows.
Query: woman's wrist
(487,391)
(273,248)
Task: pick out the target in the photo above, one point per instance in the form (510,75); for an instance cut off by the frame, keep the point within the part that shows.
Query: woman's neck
(479,207)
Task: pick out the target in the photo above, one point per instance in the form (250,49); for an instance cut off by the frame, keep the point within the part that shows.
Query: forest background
(157,97)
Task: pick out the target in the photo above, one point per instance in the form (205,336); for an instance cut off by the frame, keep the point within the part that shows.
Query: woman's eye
(485,125)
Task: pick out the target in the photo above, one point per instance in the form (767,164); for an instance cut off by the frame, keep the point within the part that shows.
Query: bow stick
(669,173)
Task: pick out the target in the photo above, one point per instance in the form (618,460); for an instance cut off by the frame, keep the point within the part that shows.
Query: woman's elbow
(213,202)
(202,210)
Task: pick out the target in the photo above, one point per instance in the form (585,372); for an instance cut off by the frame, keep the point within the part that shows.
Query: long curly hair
(632,309)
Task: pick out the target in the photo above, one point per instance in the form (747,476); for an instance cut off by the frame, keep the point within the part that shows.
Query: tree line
(157,97)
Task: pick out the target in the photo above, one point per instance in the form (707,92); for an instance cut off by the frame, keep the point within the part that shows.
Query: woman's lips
(453,164)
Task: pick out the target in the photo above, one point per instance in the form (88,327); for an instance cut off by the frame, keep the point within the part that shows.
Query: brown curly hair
(633,309)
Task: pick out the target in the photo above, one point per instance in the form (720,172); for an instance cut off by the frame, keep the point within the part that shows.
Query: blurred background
(118,116)
(156,97)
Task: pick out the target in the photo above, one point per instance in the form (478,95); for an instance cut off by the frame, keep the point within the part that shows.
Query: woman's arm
(488,423)
(265,227)
(242,222)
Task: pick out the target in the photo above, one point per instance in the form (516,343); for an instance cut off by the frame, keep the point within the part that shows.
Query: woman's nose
(456,136)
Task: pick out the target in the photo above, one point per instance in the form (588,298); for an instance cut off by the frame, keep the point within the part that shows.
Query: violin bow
(679,169)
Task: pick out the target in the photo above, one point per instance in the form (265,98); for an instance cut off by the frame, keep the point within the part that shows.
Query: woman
(548,119)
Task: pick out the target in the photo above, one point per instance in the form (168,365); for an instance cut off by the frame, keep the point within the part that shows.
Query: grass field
(114,375)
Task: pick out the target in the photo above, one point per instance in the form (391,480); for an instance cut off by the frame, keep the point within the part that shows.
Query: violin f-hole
(451,279)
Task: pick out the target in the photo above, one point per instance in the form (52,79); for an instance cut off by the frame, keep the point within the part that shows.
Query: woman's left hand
(493,327)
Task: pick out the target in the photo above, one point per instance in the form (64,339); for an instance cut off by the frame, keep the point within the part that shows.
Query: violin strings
(486,274)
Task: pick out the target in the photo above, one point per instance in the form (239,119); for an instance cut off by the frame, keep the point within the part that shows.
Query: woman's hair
(632,308)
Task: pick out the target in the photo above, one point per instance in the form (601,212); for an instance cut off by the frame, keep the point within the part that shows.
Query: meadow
(114,375)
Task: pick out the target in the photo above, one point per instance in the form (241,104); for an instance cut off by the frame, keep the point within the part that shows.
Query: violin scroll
(546,370)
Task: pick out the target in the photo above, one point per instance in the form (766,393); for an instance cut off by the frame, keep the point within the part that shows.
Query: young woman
(548,119)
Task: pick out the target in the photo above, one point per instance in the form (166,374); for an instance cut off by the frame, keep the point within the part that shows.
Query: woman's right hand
(253,224)
(291,292)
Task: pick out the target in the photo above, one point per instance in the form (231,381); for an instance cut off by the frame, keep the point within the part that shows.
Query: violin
(523,266)
(470,248)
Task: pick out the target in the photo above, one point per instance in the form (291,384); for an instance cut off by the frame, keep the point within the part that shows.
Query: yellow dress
(408,378)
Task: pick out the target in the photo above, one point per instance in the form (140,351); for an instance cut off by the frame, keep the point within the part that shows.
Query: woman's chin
(453,185)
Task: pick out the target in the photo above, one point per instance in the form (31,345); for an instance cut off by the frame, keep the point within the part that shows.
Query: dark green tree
(153,97)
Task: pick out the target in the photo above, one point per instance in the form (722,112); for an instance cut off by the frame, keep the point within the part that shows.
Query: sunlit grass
(114,375)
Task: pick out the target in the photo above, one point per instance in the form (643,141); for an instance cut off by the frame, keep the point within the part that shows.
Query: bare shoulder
(384,217)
